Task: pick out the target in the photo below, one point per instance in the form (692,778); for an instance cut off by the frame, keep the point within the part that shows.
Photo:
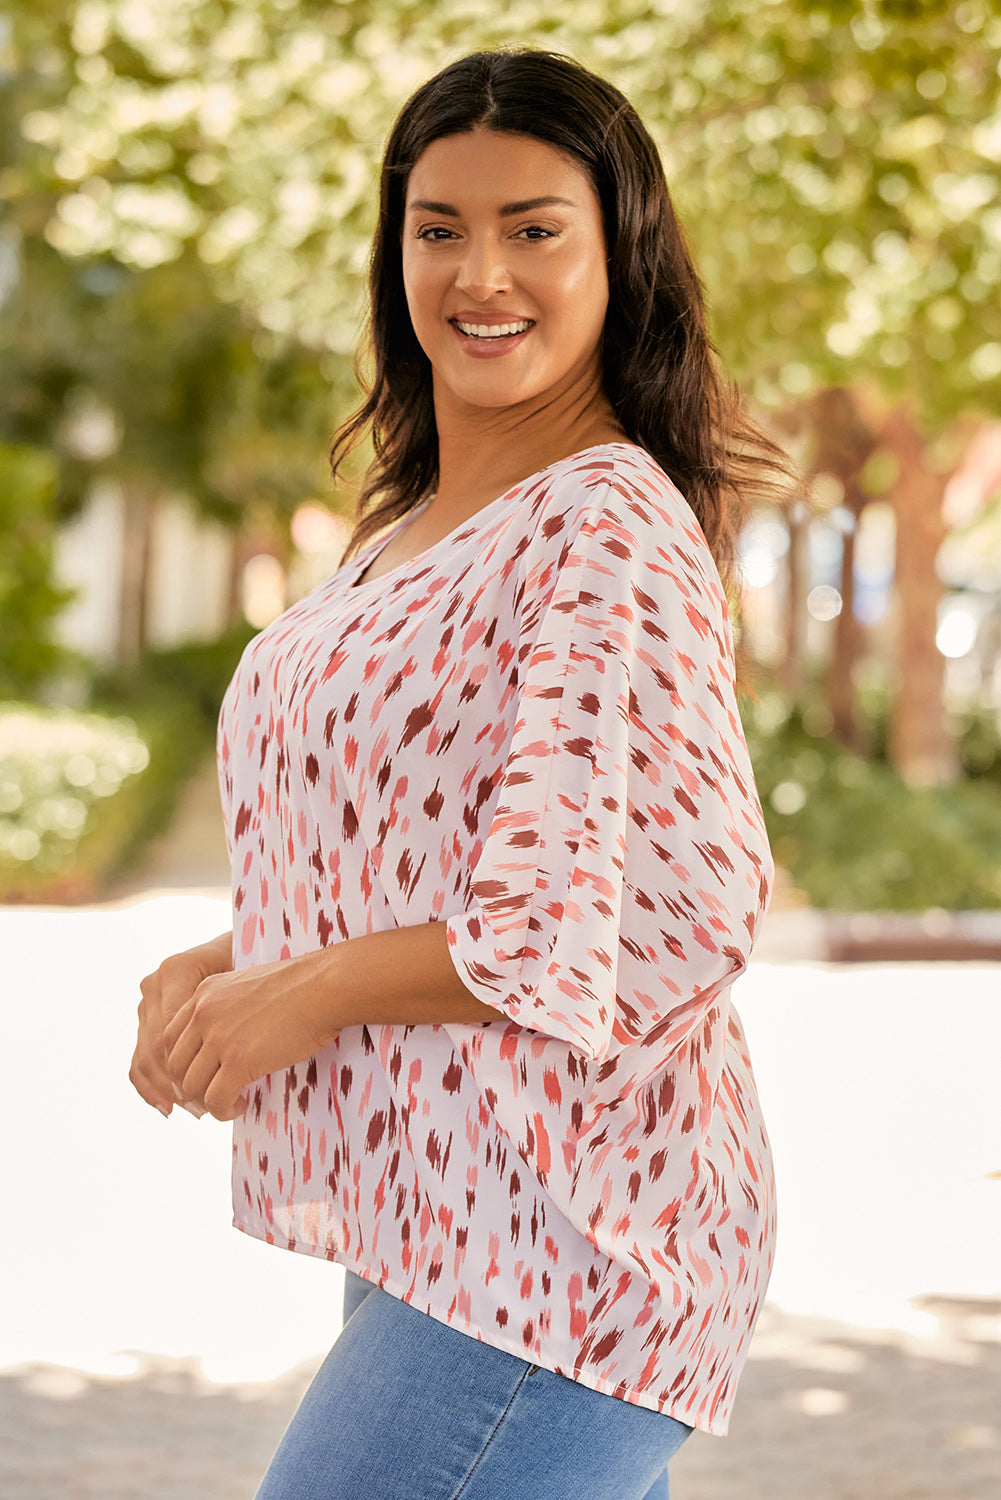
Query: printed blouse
(528,732)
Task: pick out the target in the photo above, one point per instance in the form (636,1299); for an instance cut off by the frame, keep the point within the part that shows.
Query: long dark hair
(659,366)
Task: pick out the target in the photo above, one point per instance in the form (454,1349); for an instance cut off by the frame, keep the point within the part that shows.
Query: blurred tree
(30,600)
(792,670)
(837,166)
(841,444)
(141,375)
(920,743)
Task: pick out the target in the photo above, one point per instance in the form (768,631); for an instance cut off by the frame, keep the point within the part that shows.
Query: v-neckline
(372,553)
(365,559)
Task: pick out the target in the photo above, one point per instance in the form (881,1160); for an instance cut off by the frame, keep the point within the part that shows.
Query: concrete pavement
(149,1351)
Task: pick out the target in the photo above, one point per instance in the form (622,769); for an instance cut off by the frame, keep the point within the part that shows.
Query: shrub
(980,747)
(193,676)
(80,793)
(854,837)
(29,598)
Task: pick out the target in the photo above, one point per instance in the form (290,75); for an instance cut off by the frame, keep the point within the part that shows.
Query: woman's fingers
(151,1082)
(176,1029)
(212,1086)
(194,1080)
(207,1068)
(164,1011)
(235,1028)
(221,1101)
(148,1074)
(178,987)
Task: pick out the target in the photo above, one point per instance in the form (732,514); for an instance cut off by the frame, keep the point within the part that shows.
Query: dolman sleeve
(626,864)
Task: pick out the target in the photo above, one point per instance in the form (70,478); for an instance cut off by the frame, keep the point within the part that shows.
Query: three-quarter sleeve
(626,864)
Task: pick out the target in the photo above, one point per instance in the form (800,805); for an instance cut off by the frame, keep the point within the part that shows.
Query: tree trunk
(847,641)
(237,560)
(797,581)
(921,746)
(138,509)
(842,442)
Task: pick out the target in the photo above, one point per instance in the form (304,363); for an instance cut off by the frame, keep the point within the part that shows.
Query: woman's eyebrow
(524,206)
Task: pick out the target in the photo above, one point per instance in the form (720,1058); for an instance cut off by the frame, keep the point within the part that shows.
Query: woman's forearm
(401,977)
(240,1024)
(219,951)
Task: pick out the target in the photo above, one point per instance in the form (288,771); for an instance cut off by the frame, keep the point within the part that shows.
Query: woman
(497,852)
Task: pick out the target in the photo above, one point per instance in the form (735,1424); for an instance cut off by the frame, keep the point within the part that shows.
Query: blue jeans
(406,1408)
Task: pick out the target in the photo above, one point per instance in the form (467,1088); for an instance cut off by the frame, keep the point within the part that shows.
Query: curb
(803,934)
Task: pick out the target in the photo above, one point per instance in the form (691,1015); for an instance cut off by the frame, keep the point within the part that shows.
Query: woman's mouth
(485,339)
(492,330)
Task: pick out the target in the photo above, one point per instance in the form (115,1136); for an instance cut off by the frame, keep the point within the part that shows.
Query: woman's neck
(482,452)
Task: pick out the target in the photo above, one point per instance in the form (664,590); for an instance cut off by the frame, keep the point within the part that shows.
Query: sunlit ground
(880,1086)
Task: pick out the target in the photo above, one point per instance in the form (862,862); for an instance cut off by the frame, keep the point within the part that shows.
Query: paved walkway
(149,1352)
(192,851)
(825,1413)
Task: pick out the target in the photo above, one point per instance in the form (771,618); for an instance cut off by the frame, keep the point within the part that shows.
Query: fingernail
(194,1109)
(177,1094)
(164,1111)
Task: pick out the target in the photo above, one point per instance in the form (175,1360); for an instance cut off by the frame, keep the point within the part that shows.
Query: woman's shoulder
(619,484)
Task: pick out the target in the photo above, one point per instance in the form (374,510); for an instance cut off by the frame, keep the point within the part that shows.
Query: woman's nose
(483,269)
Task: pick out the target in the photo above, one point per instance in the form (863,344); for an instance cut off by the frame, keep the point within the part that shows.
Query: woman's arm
(238,1026)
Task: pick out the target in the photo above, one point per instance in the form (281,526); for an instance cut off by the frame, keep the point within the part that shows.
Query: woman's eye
(437,234)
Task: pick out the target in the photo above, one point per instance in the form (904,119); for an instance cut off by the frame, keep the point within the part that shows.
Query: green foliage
(194,677)
(837,164)
(29,599)
(854,837)
(980,747)
(189,190)
(58,772)
(82,794)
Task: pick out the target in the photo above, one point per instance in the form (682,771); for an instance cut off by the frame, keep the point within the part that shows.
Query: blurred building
(198,574)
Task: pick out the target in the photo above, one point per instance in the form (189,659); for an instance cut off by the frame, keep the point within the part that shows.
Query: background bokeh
(187,199)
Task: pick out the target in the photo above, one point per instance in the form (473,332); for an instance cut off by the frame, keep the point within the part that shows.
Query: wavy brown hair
(659,364)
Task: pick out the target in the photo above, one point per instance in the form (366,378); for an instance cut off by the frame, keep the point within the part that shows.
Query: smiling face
(504,270)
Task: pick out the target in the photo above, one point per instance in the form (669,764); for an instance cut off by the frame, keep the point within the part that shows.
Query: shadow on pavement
(826,1412)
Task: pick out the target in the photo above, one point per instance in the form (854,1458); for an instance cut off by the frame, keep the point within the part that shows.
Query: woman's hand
(239,1026)
(164,992)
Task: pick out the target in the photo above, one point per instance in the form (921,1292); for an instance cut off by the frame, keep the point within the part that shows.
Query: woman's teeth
(492,331)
